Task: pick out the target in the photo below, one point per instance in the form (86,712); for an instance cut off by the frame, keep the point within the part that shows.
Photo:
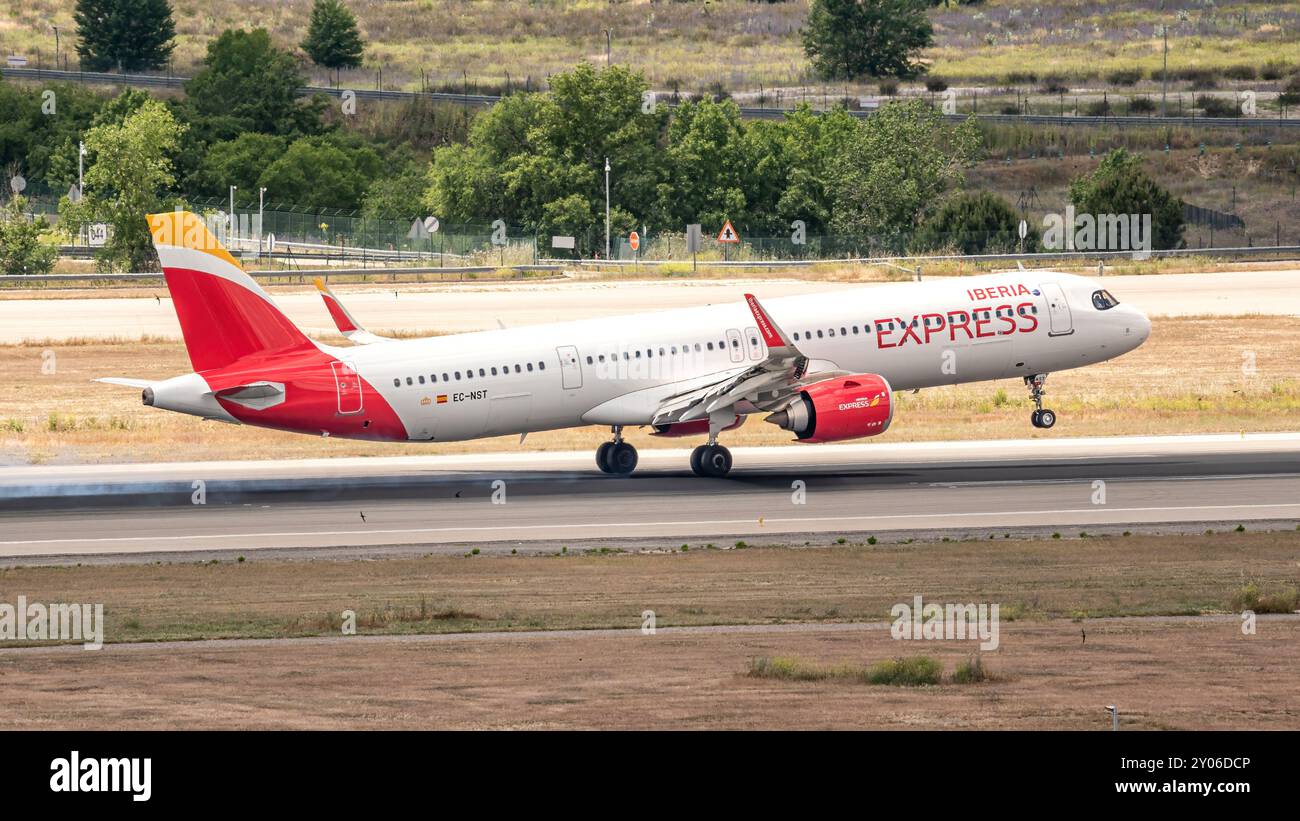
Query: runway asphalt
(501,502)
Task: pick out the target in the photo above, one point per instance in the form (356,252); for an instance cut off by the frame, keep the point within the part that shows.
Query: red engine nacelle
(696,427)
(848,407)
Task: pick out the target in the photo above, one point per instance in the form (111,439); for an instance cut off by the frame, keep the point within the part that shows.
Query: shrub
(1200,78)
(1098,108)
(1053,84)
(1220,107)
(916,671)
(1290,92)
(1124,76)
(1274,70)
(971,672)
(1249,598)
(1244,71)
(21,250)
(1141,105)
(974,223)
(936,84)
(1020,78)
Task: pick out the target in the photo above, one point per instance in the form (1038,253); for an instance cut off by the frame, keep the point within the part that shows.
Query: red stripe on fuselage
(311,398)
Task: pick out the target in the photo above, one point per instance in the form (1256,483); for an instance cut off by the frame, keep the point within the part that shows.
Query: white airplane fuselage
(616,370)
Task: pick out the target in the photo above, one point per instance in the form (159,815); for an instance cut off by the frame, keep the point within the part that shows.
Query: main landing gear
(1042,418)
(712,459)
(617,457)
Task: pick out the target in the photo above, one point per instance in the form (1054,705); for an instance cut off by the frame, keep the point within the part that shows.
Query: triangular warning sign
(728,234)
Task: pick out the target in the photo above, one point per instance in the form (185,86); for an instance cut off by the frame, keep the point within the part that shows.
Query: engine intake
(848,407)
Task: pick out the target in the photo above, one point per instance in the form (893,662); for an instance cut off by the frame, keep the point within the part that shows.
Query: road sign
(634,240)
(693,236)
(1024,228)
(563,242)
(728,234)
(97,236)
(15,61)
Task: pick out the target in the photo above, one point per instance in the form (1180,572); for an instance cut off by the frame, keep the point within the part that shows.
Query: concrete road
(499,502)
(462,308)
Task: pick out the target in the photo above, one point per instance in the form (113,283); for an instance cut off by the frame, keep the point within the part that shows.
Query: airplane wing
(766,385)
(347,326)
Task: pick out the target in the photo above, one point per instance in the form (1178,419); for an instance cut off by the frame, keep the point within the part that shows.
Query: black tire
(1046,418)
(1034,418)
(715,461)
(622,459)
(696,456)
(602,456)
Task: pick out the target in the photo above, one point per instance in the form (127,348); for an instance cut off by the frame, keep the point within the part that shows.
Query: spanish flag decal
(442,399)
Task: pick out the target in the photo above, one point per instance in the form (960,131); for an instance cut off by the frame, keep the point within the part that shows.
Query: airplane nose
(1142,325)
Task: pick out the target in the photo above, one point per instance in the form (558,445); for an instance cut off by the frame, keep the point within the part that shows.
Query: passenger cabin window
(1103,301)
(397,383)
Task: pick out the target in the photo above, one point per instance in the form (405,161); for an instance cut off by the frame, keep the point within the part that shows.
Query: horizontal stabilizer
(124,381)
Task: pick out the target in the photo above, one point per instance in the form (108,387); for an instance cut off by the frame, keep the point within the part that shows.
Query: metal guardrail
(748,112)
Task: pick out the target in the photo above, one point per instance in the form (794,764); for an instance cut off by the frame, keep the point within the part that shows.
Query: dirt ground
(1150,623)
(1194,674)
(1194,375)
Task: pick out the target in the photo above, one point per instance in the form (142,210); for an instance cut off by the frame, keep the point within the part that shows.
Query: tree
(1120,185)
(332,38)
(21,250)
(129,176)
(238,162)
(851,39)
(895,168)
(250,85)
(974,223)
(398,196)
(322,172)
(129,35)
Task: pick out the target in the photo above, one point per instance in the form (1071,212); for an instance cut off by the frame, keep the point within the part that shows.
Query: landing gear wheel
(602,456)
(1046,418)
(711,460)
(621,458)
(696,455)
(1033,418)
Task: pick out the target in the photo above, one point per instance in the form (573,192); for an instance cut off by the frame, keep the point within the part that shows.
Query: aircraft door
(570,367)
(348,384)
(1058,310)
(735,347)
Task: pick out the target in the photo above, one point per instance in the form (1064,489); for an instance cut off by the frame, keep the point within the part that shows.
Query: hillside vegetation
(723,45)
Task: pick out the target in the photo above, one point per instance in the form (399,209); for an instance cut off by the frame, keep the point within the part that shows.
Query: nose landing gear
(616,457)
(1041,418)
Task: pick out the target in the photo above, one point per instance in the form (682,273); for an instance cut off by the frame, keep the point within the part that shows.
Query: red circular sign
(634,240)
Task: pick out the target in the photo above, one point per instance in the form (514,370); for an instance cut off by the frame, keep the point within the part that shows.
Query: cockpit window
(1102,300)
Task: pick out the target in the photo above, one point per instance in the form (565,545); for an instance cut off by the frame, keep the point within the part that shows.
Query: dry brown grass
(1031,580)
(1050,670)
(1188,378)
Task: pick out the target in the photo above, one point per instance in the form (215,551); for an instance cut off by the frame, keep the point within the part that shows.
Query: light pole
(230,230)
(607,209)
(56,47)
(81,183)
